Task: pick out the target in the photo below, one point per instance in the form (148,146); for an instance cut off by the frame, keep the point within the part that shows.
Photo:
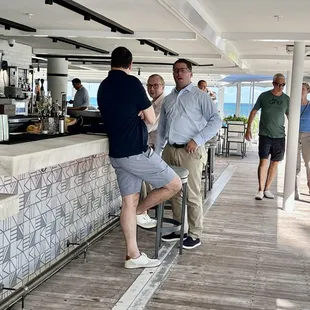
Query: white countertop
(27,157)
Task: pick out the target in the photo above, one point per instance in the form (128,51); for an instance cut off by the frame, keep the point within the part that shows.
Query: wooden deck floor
(254,256)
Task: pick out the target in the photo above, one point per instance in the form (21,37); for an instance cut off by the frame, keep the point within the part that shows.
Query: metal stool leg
(184,200)
(206,181)
(160,208)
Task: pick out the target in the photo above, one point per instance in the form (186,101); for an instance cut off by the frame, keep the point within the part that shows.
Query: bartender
(81,98)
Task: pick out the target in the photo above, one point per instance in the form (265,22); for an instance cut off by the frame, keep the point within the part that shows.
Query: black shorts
(273,146)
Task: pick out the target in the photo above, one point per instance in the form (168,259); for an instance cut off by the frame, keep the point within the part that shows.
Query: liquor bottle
(61,123)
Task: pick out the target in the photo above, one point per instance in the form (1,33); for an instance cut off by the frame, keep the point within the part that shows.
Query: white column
(293,126)
(57,77)
(288,82)
(253,94)
(220,100)
(238,99)
(288,92)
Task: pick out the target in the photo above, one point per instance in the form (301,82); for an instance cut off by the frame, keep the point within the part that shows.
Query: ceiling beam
(79,44)
(268,57)
(8,24)
(106,61)
(65,52)
(266,36)
(44,52)
(69,33)
(92,15)
(158,47)
(194,16)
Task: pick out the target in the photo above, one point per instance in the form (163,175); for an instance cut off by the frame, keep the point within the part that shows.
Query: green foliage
(236,118)
(245,120)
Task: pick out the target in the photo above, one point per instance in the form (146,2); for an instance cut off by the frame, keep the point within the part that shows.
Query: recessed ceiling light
(30,15)
(277,17)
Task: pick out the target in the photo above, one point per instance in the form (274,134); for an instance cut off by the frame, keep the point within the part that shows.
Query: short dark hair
(76,81)
(184,61)
(121,57)
(201,81)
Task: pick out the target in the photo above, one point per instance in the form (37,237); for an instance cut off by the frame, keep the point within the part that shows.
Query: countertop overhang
(28,157)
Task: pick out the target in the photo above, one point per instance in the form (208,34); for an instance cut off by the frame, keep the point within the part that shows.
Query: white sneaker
(141,262)
(269,194)
(144,221)
(259,195)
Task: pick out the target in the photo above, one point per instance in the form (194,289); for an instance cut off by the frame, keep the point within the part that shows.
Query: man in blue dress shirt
(188,119)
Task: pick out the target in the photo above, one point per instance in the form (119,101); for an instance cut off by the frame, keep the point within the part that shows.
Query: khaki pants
(146,188)
(304,151)
(194,163)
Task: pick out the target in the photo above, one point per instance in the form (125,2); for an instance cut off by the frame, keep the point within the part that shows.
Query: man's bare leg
(262,174)
(272,171)
(160,195)
(129,224)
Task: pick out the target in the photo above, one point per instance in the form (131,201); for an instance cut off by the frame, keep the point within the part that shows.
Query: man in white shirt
(155,88)
(202,85)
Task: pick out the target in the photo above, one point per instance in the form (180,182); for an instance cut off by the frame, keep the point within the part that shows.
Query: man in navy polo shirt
(125,109)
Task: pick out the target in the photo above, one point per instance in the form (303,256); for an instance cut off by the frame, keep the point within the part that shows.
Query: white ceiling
(258,15)
(235,36)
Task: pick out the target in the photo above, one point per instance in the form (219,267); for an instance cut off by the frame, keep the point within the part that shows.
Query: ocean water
(229,107)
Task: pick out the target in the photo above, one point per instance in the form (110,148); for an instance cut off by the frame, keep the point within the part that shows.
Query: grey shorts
(148,167)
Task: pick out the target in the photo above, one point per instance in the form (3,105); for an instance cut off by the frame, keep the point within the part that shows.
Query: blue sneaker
(191,243)
(173,237)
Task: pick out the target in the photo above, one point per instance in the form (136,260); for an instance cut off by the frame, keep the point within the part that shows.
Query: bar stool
(205,172)
(176,226)
(211,159)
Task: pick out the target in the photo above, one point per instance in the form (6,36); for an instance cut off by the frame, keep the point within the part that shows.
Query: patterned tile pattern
(64,202)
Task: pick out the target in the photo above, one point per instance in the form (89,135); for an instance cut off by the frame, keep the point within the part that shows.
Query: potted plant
(244,119)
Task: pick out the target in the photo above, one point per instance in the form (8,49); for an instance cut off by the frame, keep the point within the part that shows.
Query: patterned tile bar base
(65,202)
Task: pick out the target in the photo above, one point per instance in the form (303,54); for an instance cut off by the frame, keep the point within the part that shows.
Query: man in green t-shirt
(274,105)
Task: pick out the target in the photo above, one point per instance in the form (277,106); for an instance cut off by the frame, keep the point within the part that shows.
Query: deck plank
(253,256)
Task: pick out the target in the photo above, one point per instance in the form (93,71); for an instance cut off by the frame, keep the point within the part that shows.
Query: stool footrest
(171,221)
(170,229)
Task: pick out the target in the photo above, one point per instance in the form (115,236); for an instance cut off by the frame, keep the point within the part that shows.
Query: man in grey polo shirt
(81,98)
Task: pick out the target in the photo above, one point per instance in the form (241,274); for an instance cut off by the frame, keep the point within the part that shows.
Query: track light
(77,47)
(49,2)
(55,40)
(6,27)
(142,42)
(87,17)
(139,71)
(165,53)
(155,48)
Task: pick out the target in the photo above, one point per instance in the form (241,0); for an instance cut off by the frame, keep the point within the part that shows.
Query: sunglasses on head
(279,84)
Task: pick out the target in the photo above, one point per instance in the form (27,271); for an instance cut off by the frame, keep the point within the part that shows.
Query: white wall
(18,55)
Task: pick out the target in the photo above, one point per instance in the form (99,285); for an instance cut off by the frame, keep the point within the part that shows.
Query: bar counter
(52,191)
